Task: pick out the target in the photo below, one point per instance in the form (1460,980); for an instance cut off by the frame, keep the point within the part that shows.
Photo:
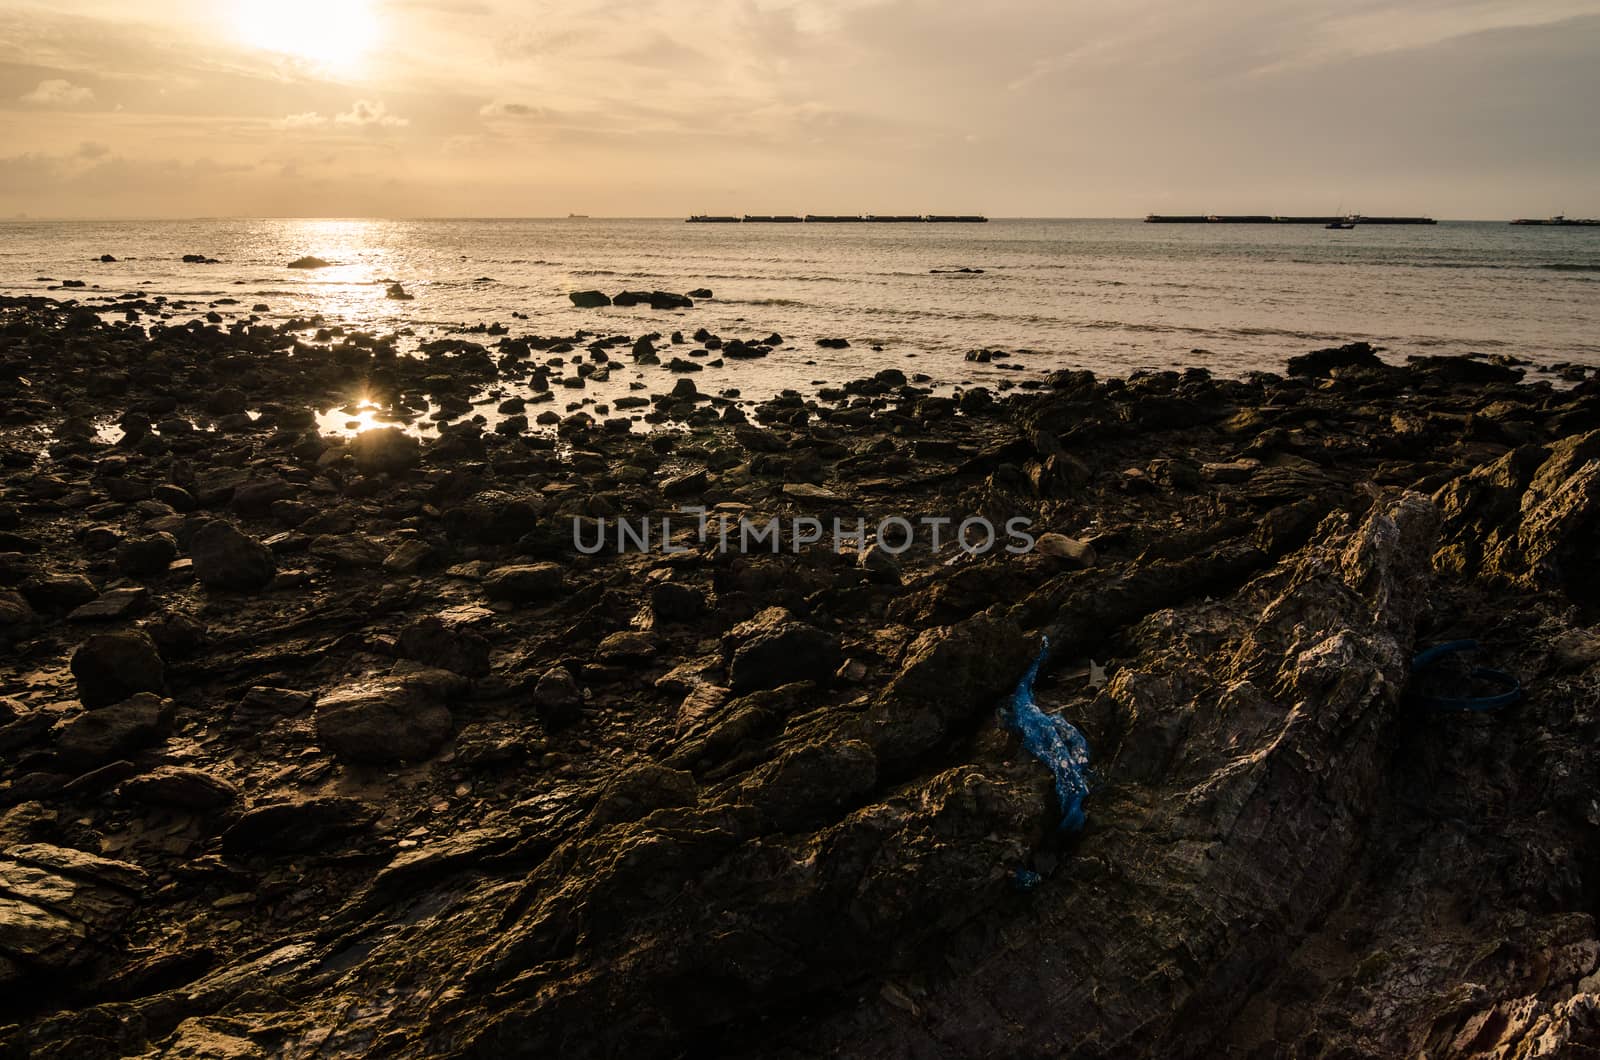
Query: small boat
(1339,226)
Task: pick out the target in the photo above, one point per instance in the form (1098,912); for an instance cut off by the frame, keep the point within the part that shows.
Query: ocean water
(1108,295)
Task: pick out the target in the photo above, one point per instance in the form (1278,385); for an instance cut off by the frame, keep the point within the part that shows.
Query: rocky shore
(316,745)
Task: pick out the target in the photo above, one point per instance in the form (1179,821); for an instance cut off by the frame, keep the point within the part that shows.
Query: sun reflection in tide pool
(364,414)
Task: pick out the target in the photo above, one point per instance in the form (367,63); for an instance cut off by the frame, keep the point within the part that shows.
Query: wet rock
(1322,363)
(103,735)
(524,583)
(382,720)
(834,344)
(147,556)
(386,450)
(641,791)
(880,565)
(700,292)
(626,646)
(775,648)
(348,551)
(409,556)
(110,667)
(296,826)
(180,787)
(228,559)
(590,299)
(308,262)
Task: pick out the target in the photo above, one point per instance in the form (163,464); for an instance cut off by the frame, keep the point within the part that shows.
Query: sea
(1112,296)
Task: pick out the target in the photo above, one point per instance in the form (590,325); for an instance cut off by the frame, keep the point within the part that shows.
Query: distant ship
(1267,219)
(577,217)
(1342,226)
(828,218)
(1559,221)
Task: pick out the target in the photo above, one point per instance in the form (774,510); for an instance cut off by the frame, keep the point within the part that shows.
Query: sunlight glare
(332,34)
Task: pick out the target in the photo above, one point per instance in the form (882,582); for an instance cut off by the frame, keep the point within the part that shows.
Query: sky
(641,108)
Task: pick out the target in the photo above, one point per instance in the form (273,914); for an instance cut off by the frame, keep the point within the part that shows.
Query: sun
(335,35)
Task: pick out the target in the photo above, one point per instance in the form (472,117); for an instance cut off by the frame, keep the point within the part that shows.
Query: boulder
(95,737)
(226,558)
(181,788)
(524,583)
(557,698)
(383,720)
(308,262)
(147,556)
(110,667)
(386,450)
(590,299)
(775,648)
(296,826)
(435,642)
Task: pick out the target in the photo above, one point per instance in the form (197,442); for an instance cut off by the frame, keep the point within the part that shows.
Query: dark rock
(1322,363)
(308,262)
(774,648)
(557,698)
(297,826)
(110,667)
(526,583)
(177,786)
(228,559)
(434,642)
(386,450)
(98,736)
(143,557)
(383,720)
(589,299)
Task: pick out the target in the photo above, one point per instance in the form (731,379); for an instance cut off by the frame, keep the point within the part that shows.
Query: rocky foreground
(341,748)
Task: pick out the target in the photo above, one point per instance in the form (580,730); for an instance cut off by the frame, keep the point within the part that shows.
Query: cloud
(365,112)
(56,92)
(91,149)
(309,120)
(499,109)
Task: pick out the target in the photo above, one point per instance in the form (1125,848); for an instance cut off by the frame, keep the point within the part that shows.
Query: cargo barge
(833,219)
(1279,219)
(1559,221)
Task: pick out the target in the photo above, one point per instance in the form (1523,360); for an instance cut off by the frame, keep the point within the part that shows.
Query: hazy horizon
(1457,109)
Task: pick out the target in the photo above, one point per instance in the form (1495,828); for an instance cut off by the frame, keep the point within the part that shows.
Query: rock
(59,592)
(176,786)
(589,299)
(409,556)
(557,698)
(386,450)
(60,907)
(348,551)
(148,556)
(526,583)
(308,262)
(774,648)
(690,483)
(296,826)
(882,568)
(493,517)
(641,791)
(1071,551)
(1232,471)
(98,736)
(1322,363)
(673,602)
(834,344)
(113,606)
(434,642)
(15,615)
(382,720)
(226,558)
(398,293)
(110,667)
(700,292)
(626,646)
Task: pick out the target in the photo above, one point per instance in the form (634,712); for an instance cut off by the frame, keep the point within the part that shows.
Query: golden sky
(1458,108)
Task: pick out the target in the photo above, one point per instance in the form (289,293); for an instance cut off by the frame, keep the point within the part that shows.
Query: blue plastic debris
(1026,880)
(1510,688)
(1054,741)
